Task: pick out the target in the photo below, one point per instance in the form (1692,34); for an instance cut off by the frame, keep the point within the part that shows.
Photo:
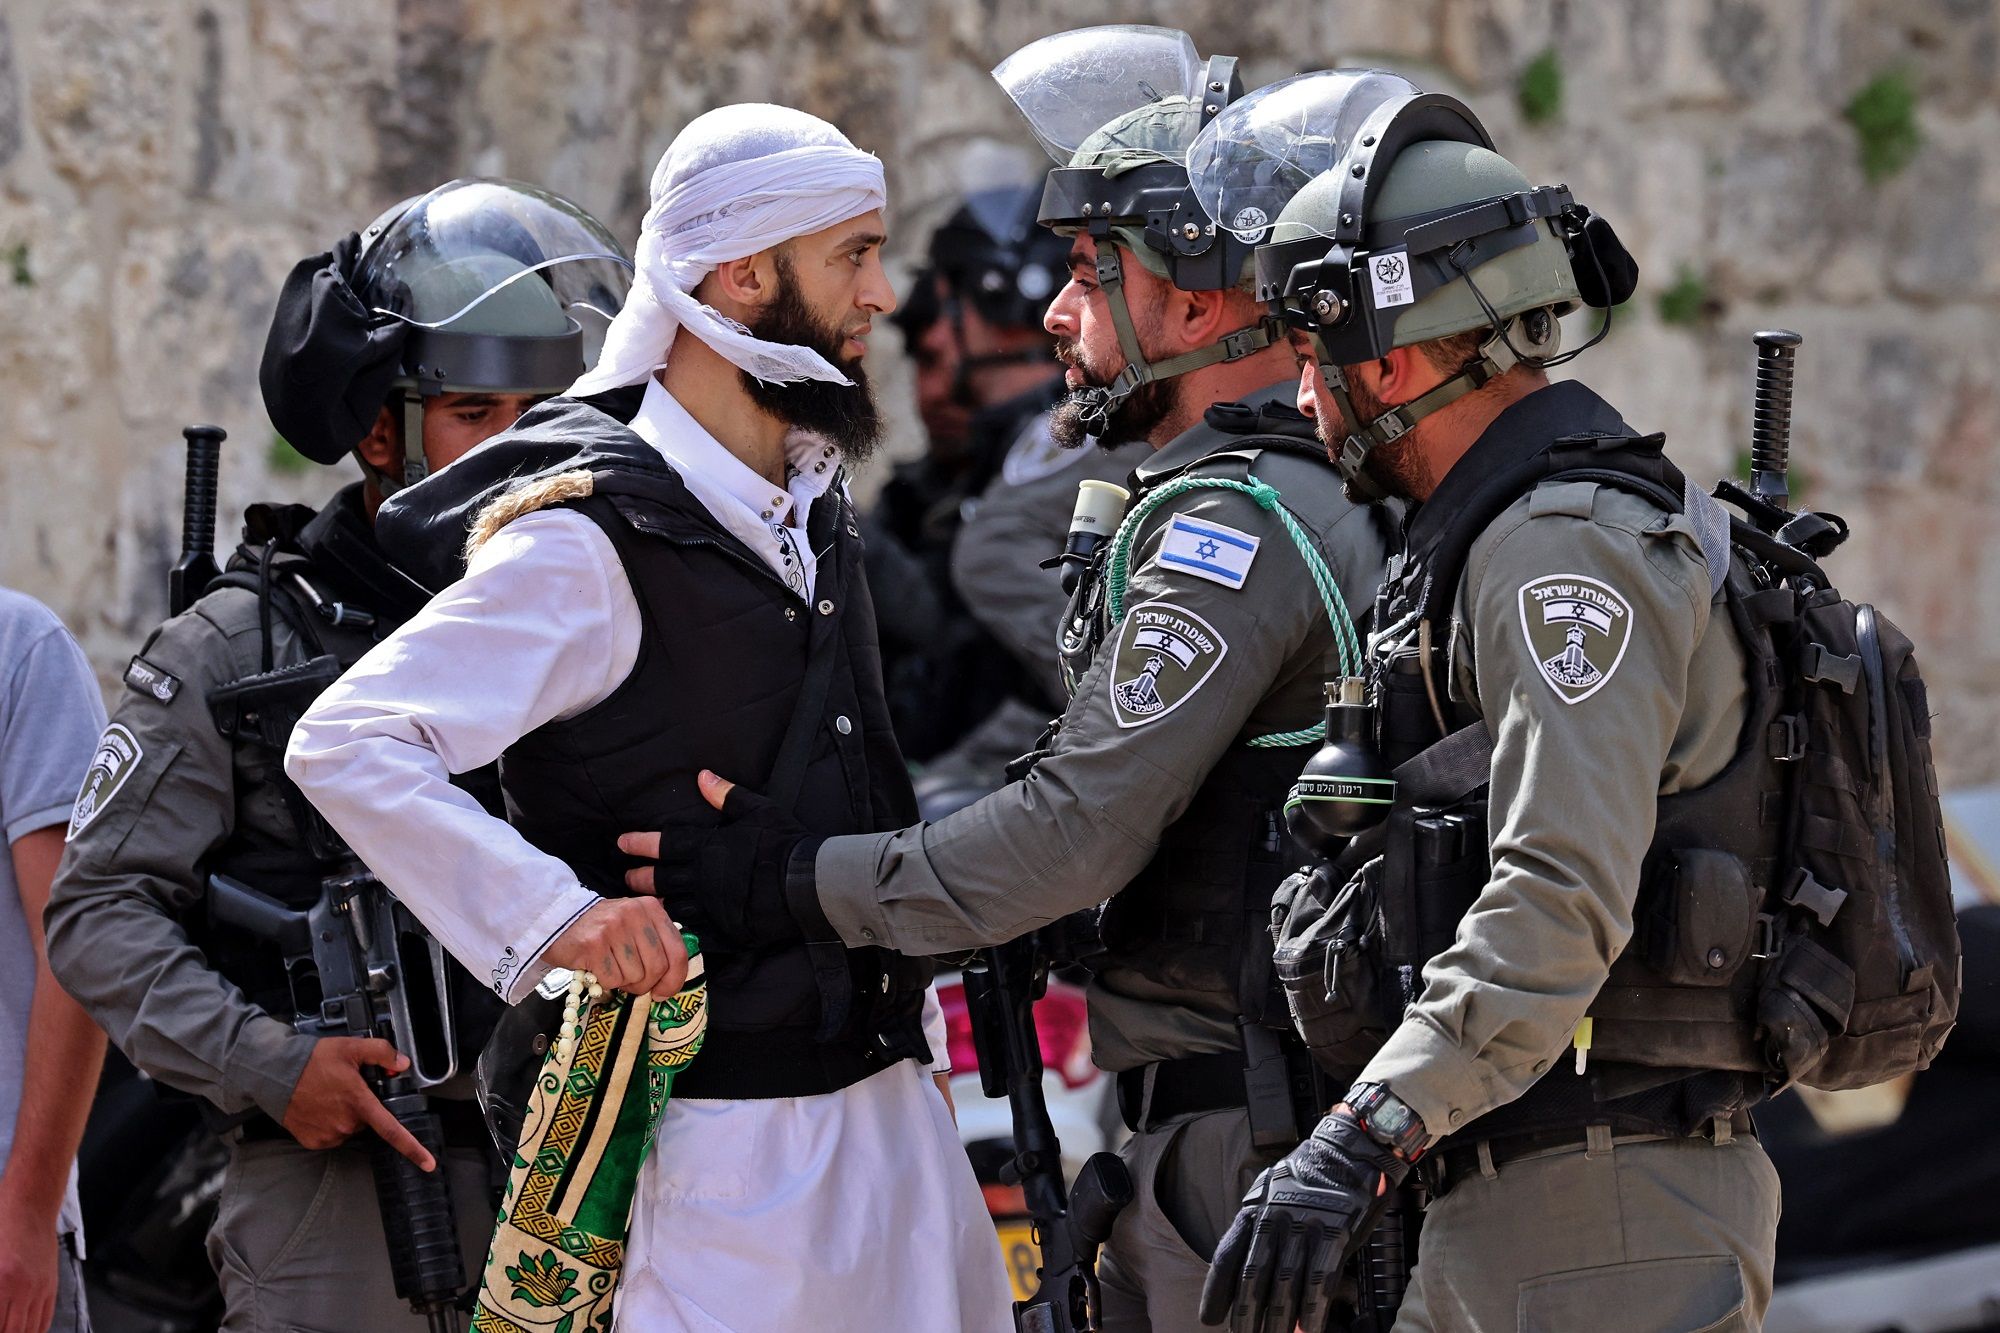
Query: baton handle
(191,573)
(1771,417)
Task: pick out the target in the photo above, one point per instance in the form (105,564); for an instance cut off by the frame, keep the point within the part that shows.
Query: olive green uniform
(1091,815)
(1678,1232)
(299,1242)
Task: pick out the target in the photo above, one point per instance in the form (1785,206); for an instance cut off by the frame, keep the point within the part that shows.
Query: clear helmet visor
(497,257)
(1073,84)
(1253,158)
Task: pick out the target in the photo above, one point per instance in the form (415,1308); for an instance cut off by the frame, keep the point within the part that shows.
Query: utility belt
(1441,1169)
(1151,1095)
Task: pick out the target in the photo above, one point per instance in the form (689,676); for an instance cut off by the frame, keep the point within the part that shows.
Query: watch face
(1392,1117)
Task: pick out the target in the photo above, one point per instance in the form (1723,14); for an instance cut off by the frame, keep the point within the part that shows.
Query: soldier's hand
(730,881)
(332,1101)
(1279,1264)
(629,944)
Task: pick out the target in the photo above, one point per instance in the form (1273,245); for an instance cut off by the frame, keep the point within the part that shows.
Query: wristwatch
(1388,1119)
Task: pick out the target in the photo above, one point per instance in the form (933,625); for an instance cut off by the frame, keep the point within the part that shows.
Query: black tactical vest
(325,577)
(723,651)
(1197,918)
(1674,1034)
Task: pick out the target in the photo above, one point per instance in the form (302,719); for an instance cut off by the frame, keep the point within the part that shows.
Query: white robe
(854,1210)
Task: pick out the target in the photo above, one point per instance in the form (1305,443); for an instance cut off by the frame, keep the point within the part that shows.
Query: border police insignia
(118,753)
(1164,655)
(1577,629)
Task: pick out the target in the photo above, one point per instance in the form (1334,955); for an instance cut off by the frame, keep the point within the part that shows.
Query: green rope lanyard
(1346,641)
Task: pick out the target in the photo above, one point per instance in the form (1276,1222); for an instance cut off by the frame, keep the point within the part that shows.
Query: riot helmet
(990,255)
(1395,223)
(1117,108)
(481,285)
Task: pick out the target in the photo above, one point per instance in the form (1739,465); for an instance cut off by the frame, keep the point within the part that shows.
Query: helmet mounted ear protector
(1330,290)
(1156,199)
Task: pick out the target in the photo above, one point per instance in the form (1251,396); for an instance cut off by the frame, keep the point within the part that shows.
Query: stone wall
(1830,165)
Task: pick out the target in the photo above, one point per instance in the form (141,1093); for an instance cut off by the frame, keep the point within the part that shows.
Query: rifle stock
(1001,987)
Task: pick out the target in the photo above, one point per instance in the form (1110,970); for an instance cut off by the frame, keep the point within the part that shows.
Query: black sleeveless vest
(722,654)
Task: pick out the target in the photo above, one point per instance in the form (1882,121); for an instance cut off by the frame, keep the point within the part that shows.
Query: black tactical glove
(1279,1264)
(740,882)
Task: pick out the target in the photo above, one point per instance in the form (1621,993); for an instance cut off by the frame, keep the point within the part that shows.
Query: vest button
(825,607)
(842,725)
(791,613)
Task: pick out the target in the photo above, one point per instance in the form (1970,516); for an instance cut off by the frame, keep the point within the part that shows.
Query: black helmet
(479,285)
(990,255)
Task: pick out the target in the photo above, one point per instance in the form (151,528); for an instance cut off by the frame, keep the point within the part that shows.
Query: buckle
(1788,738)
(1808,894)
(1244,342)
(1767,938)
(1827,668)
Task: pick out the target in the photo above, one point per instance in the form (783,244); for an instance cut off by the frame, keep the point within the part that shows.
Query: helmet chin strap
(1098,403)
(415,466)
(1497,356)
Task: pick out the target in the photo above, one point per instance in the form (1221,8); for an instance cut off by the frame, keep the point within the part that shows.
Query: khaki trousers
(1189,1177)
(1666,1235)
(298,1246)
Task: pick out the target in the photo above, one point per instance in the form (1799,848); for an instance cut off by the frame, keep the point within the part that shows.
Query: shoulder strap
(1710,520)
(1631,462)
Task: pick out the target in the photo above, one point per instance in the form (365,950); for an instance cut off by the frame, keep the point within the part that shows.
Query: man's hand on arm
(747,881)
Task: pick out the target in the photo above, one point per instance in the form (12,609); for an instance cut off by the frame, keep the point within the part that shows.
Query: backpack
(1865,985)
(1843,971)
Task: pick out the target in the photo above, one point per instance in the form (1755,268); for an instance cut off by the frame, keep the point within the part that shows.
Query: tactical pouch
(1434,867)
(1701,922)
(1328,939)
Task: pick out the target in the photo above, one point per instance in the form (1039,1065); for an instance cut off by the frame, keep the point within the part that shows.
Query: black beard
(843,414)
(1134,418)
(1396,468)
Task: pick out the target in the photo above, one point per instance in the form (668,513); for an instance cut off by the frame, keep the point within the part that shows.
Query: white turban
(737,180)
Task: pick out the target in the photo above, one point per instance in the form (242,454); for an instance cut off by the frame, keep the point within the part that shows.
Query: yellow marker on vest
(1582,1043)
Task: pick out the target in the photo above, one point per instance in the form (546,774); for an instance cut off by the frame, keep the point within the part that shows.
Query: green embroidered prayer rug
(560,1240)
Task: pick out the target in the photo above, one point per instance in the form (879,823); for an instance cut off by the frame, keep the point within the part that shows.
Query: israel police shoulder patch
(118,753)
(1577,629)
(1164,655)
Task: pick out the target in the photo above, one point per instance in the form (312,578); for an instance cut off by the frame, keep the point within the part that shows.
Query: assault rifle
(1001,987)
(359,965)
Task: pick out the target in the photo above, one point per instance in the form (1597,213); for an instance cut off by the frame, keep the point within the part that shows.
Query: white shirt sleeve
(543,626)
(934,1032)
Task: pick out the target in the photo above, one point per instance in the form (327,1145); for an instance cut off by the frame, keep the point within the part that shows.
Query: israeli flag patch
(1212,551)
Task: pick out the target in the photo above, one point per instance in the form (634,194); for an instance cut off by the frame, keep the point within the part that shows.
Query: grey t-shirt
(51,715)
